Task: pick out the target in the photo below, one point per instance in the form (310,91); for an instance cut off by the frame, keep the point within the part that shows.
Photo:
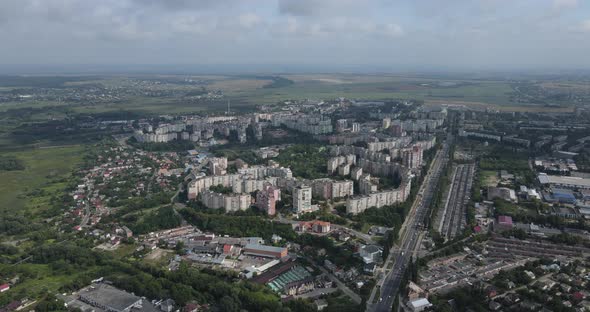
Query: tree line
(239,226)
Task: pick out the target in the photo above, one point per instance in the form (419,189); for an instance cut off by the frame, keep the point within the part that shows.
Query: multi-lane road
(410,236)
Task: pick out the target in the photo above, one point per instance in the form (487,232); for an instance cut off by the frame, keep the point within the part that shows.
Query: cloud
(249,20)
(297,7)
(565,4)
(190,24)
(235,31)
(180,5)
(393,30)
(334,28)
(324,7)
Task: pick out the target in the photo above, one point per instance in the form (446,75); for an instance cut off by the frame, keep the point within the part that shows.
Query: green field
(488,178)
(47,169)
(245,93)
(38,279)
(488,92)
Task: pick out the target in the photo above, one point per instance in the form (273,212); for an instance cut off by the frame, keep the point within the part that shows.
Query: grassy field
(146,105)
(39,279)
(488,178)
(46,169)
(567,86)
(247,92)
(379,87)
(476,94)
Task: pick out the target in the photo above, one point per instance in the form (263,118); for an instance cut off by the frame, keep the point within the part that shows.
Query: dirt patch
(489,178)
(157,254)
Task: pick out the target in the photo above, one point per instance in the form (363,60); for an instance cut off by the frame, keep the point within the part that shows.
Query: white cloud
(565,4)
(292,30)
(393,30)
(334,27)
(291,25)
(249,20)
(190,24)
(324,7)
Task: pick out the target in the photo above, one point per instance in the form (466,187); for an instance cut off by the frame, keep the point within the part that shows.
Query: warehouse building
(564,181)
(265,251)
(104,297)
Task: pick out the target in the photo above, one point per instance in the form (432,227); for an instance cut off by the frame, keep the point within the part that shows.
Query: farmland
(174,94)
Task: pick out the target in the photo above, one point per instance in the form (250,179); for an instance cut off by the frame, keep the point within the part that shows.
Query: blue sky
(453,34)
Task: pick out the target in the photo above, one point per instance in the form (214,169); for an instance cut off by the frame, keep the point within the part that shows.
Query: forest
(163,218)
(238,226)
(172,146)
(307,161)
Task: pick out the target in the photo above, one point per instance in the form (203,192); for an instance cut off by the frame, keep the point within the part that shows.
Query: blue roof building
(564,196)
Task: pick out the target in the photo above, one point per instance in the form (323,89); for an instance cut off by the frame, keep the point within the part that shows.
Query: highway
(410,236)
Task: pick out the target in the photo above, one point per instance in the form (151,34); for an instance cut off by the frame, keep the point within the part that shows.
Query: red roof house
(4,287)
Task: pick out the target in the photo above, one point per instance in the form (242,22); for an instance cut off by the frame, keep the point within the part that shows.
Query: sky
(389,34)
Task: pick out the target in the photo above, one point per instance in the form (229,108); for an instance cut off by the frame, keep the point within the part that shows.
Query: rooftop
(564,180)
(421,302)
(264,248)
(297,273)
(104,295)
(505,219)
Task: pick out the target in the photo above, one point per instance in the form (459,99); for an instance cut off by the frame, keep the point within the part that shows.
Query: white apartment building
(229,202)
(302,199)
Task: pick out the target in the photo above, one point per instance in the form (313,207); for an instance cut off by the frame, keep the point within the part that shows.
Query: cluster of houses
(120,173)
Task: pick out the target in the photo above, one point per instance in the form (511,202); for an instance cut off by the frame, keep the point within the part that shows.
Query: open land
(167,93)
(45,169)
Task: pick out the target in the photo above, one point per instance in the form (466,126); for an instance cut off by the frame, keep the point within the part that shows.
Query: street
(409,238)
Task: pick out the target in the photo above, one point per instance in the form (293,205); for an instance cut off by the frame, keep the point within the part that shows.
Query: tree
(181,293)
(180,248)
(228,304)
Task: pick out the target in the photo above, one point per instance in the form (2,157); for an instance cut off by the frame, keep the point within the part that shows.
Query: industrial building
(564,181)
(265,251)
(104,297)
(292,282)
